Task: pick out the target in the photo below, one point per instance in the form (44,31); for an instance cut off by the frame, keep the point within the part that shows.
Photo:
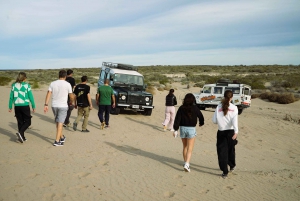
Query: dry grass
(151,89)
(289,117)
(284,98)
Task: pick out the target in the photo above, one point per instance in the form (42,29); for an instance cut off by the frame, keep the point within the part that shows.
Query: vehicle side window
(247,91)
(235,90)
(218,90)
(206,90)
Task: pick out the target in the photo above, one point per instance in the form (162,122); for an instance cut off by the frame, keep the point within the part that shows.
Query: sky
(46,34)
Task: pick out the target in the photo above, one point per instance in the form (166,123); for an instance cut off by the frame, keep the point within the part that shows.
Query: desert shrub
(4,81)
(168,87)
(286,98)
(273,97)
(151,89)
(289,117)
(160,89)
(253,96)
(257,85)
(34,84)
(265,95)
(199,84)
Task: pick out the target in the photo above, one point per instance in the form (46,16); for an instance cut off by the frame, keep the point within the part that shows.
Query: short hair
(62,74)
(69,72)
(106,81)
(84,78)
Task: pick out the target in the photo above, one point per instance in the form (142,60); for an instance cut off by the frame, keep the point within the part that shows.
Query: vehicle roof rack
(120,66)
(223,82)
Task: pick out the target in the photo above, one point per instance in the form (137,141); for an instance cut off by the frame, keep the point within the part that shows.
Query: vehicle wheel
(115,110)
(201,108)
(148,112)
(240,111)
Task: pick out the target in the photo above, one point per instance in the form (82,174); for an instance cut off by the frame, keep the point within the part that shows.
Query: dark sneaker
(58,144)
(63,139)
(85,131)
(24,139)
(75,126)
(224,176)
(20,137)
(64,125)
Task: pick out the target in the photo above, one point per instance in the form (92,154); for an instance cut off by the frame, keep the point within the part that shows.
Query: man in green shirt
(105,95)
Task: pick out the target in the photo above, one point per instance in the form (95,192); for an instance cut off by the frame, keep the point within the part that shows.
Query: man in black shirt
(83,103)
(71,80)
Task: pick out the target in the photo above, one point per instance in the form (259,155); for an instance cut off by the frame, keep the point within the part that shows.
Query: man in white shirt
(60,90)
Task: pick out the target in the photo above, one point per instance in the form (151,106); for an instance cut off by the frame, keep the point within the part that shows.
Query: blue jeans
(102,109)
(187,132)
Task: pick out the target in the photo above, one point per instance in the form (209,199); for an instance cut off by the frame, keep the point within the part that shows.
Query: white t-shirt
(230,121)
(60,91)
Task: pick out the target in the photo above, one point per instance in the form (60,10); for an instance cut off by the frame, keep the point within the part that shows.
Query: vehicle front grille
(139,100)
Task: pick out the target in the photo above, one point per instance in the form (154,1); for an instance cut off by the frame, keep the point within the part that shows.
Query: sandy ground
(136,160)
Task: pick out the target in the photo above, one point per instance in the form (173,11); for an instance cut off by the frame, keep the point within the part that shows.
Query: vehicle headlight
(123,97)
(147,99)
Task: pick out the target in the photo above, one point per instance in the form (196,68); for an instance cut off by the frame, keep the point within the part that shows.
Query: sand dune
(136,160)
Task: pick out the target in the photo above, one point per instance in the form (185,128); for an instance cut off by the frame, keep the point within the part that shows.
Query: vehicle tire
(201,108)
(240,111)
(148,112)
(115,110)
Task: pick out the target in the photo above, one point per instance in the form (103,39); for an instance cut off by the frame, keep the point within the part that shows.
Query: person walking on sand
(105,95)
(170,111)
(186,119)
(59,90)
(83,103)
(20,96)
(71,80)
(226,116)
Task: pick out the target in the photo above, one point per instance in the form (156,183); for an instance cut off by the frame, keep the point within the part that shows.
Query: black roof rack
(120,66)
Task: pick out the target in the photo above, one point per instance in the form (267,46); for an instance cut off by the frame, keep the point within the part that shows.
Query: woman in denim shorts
(186,119)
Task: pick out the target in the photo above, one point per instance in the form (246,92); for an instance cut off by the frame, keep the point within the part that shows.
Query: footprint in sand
(169,194)
(178,176)
(204,191)
(82,174)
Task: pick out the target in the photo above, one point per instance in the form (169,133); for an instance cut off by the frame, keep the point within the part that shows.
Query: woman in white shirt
(226,116)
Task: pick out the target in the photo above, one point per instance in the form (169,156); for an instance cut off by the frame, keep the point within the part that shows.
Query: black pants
(23,116)
(104,109)
(226,150)
(67,120)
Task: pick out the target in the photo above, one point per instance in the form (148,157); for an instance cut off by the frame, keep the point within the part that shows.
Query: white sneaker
(172,130)
(186,168)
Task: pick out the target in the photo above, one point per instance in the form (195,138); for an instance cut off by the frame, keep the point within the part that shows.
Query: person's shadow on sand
(146,124)
(163,159)
(28,131)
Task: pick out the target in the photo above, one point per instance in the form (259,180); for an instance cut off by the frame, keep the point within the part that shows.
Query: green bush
(4,81)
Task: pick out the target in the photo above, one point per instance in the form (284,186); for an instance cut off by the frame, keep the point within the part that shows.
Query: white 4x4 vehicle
(211,95)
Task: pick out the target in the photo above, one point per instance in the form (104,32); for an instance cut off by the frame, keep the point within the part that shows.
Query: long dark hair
(225,101)
(171,92)
(187,104)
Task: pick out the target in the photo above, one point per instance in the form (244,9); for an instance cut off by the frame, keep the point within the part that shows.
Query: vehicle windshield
(128,79)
